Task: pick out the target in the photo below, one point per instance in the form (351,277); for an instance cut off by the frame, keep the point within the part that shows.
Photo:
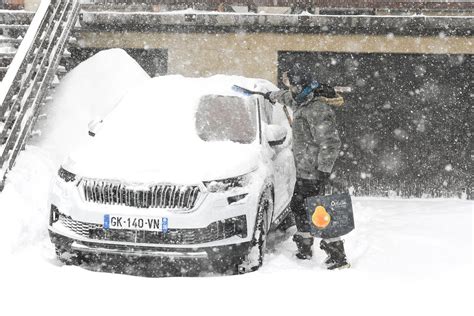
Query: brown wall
(14,4)
(256,54)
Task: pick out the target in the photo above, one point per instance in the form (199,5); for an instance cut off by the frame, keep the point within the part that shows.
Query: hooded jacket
(316,141)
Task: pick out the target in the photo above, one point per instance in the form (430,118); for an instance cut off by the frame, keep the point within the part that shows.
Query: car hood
(185,165)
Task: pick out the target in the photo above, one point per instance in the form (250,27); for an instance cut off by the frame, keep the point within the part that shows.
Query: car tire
(254,258)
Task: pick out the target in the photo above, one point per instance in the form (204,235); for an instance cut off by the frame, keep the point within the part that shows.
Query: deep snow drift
(409,257)
(90,91)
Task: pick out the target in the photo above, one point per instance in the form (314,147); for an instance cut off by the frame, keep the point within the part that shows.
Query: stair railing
(30,75)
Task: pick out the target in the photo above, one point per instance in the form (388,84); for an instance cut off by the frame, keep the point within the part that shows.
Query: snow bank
(23,203)
(89,91)
(409,257)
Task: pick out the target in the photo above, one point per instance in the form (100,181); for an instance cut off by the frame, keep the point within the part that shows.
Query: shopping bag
(330,216)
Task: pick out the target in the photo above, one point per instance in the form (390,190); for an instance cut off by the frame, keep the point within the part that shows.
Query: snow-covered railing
(30,75)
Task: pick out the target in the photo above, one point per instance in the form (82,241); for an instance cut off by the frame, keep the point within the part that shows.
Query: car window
(279,117)
(267,109)
(226,118)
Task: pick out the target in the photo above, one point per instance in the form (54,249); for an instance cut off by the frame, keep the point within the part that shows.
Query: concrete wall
(256,54)
(32,5)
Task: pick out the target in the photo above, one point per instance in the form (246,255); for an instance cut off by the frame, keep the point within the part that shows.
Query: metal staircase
(13,26)
(30,74)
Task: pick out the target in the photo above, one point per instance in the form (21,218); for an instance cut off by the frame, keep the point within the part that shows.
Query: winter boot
(336,255)
(304,245)
(324,246)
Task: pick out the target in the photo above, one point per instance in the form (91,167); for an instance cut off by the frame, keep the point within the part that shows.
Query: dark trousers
(304,188)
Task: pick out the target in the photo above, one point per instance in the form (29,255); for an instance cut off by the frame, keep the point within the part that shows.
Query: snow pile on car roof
(89,91)
(152,135)
(162,98)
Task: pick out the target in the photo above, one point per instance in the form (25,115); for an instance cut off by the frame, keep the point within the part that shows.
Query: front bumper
(71,245)
(234,228)
(215,221)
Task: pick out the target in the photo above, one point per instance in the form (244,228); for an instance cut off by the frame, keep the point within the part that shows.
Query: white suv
(182,168)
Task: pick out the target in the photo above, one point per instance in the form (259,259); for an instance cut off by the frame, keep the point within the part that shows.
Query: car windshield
(226,118)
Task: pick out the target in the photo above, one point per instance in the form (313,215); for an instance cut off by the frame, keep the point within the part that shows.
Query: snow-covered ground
(409,257)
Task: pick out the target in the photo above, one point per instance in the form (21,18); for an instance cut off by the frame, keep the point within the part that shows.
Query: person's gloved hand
(268,97)
(323,176)
(322,180)
(325,90)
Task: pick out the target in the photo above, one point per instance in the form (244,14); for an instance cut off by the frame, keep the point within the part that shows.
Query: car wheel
(254,259)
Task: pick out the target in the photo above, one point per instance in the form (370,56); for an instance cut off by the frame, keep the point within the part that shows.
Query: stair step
(8,40)
(7,55)
(14,26)
(16,16)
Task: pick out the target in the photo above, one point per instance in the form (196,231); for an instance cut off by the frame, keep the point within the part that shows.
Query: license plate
(136,223)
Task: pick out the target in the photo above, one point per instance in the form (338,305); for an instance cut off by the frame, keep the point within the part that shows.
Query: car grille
(236,226)
(156,196)
(79,228)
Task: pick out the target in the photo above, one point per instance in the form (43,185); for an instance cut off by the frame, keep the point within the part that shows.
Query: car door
(283,161)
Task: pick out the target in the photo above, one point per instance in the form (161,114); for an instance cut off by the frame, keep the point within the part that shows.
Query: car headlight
(66,175)
(227,184)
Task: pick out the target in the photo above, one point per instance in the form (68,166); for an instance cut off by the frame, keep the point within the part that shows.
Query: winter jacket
(316,141)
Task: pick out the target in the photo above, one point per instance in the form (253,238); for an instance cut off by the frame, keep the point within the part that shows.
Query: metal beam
(375,4)
(313,24)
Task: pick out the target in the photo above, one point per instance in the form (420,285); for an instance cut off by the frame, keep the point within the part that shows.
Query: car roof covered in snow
(176,86)
(155,126)
(172,100)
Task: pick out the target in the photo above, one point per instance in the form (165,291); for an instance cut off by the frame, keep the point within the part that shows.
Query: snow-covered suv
(181,168)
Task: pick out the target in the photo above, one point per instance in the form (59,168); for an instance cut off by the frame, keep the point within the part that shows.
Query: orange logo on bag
(321,217)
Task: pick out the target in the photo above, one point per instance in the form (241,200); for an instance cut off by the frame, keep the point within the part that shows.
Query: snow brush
(248,92)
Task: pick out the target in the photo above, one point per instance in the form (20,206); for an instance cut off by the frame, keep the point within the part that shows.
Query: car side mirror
(276,135)
(94,126)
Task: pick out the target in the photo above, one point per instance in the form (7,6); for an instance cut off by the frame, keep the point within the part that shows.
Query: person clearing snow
(316,147)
